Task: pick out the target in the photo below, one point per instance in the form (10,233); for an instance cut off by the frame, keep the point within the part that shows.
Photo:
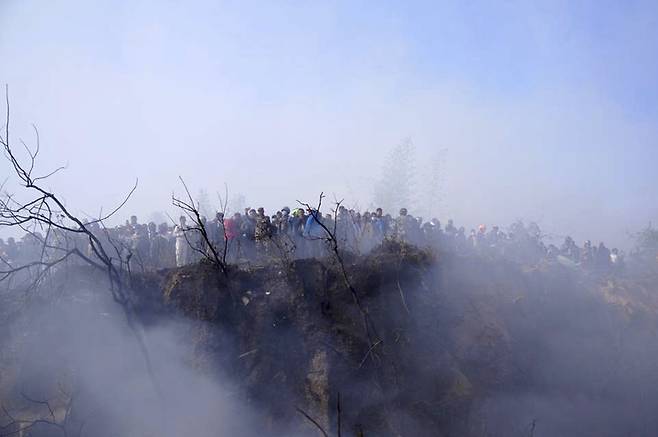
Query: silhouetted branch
(313,421)
(192,211)
(330,237)
(47,211)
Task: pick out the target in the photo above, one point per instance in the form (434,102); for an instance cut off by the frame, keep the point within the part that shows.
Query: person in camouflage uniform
(262,232)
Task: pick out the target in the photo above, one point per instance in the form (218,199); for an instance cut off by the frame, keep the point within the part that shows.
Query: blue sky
(547,110)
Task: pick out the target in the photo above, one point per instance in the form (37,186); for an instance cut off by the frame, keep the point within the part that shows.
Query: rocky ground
(406,343)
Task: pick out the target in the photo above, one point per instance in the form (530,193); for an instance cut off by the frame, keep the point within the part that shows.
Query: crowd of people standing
(254,236)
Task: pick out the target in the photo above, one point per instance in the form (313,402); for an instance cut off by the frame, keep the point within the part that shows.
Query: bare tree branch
(192,211)
(313,421)
(330,237)
(47,211)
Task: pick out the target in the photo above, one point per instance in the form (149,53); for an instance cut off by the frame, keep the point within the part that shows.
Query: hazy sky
(548,110)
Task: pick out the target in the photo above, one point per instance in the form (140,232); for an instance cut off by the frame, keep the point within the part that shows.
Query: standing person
(216,232)
(404,226)
(437,233)
(297,222)
(140,245)
(379,224)
(163,250)
(232,227)
(274,223)
(570,249)
(152,234)
(285,239)
(182,245)
(587,254)
(296,230)
(617,259)
(314,233)
(368,232)
(283,222)
(262,232)
(481,238)
(342,226)
(312,228)
(248,233)
(451,230)
(197,241)
(133,223)
(603,257)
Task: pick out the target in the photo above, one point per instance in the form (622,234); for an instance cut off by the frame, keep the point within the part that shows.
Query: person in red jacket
(232,227)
